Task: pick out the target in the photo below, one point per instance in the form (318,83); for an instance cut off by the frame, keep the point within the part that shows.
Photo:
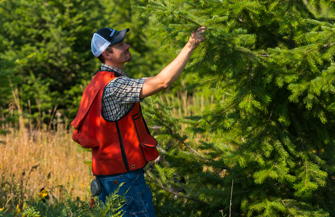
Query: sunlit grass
(36,161)
(32,160)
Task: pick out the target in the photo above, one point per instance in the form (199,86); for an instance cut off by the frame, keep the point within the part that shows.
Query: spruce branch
(309,50)
(316,46)
(219,115)
(184,18)
(287,207)
(267,121)
(328,45)
(179,195)
(191,149)
(170,131)
(189,20)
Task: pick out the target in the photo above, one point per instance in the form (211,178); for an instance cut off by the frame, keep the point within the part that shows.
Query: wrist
(191,46)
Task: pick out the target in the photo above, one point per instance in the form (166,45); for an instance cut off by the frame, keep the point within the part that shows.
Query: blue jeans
(138,198)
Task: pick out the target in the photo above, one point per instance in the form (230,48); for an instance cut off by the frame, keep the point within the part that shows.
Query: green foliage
(8,85)
(70,207)
(6,71)
(58,34)
(168,177)
(269,64)
(272,131)
(6,76)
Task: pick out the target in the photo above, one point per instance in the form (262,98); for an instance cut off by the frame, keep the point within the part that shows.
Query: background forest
(248,130)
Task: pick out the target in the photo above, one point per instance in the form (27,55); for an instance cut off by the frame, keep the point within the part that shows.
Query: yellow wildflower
(2,209)
(43,194)
(18,209)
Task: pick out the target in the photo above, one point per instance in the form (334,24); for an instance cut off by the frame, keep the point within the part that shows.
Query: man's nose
(127,46)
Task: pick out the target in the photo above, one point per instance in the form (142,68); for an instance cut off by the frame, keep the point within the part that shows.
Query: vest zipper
(124,157)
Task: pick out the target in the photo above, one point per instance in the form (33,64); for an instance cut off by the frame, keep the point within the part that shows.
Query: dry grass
(187,106)
(184,105)
(31,160)
(34,159)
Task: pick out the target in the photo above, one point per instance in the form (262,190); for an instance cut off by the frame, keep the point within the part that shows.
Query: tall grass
(185,105)
(31,160)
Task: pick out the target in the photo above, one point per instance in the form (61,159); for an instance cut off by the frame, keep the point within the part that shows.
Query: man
(110,122)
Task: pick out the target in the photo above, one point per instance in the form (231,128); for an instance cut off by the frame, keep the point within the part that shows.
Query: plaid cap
(104,37)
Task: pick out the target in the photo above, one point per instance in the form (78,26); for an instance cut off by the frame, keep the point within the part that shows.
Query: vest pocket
(147,142)
(85,139)
(142,132)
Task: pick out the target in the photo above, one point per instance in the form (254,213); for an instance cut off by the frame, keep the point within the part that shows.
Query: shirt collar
(105,67)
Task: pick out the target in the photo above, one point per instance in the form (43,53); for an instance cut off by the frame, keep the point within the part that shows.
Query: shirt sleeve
(124,90)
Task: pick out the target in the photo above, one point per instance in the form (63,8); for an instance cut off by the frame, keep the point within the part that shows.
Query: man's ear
(106,55)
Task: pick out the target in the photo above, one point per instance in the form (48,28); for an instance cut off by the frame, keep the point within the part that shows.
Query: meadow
(37,159)
(44,156)
(253,134)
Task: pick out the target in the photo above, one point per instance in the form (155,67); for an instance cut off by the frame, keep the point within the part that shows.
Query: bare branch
(287,207)
(192,149)
(328,45)
(179,195)
(231,197)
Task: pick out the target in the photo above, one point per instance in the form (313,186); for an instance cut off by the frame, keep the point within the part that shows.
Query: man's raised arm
(172,71)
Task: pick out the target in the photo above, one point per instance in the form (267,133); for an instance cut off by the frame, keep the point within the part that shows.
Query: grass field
(40,159)
(36,157)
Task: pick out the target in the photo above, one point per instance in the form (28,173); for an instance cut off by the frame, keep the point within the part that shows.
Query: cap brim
(120,36)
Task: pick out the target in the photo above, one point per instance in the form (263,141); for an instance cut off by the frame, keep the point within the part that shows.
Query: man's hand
(197,37)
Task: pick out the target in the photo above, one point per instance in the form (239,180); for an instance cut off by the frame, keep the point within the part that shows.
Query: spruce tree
(271,67)
(58,33)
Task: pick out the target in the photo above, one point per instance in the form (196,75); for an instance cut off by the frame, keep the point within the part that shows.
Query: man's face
(120,53)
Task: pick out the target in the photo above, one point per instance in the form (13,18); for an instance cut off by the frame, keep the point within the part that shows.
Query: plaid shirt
(120,94)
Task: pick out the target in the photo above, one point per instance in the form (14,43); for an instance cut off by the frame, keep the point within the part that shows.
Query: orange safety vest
(117,146)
